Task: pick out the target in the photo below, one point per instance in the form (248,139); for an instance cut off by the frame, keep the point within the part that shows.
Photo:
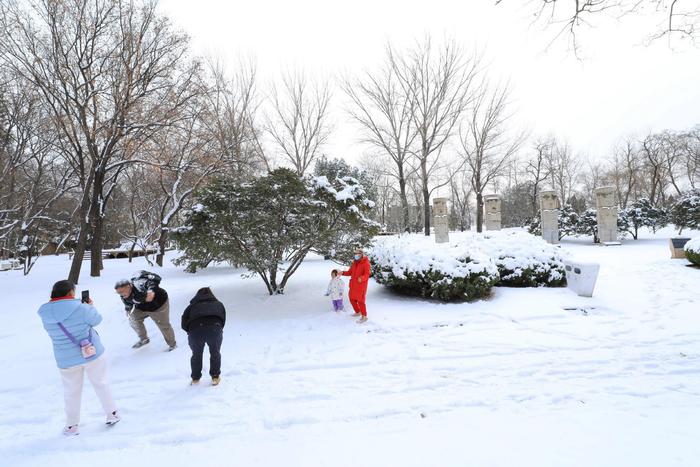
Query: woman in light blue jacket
(78,350)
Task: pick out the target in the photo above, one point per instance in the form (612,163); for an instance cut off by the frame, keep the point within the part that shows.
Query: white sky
(619,88)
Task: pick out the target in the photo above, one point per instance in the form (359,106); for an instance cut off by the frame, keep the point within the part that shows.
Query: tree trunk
(96,224)
(404,201)
(535,206)
(96,247)
(479,212)
(162,239)
(131,251)
(272,286)
(80,247)
(426,197)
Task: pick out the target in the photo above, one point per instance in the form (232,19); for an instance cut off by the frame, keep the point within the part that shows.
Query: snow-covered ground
(517,380)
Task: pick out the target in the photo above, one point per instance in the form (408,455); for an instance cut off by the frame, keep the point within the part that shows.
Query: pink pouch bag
(87,348)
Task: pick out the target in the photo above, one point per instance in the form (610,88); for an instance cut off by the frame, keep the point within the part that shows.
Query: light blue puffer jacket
(78,318)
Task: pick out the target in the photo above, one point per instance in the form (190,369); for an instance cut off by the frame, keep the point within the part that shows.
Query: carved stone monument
(441,220)
(607,214)
(549,213)
(492,212)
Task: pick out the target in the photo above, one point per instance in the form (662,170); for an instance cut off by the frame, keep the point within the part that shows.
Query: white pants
(73,388)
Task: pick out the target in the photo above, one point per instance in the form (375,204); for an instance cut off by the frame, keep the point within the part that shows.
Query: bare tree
(375,169)
(487,144)
(299,126)
(592,176)
(672,18)
(230,117)
(654,164)
(184,163)
(384,111)
(439,82)
(461,191)
(136,199)
(112,73)
(624,171)
(32,177)
(673,149)
(691,162)
(536,170)
(564,169)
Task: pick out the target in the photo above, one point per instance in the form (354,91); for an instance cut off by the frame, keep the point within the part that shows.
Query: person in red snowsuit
(359,276)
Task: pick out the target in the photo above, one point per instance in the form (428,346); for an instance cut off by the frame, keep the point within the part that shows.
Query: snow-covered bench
(9,264)
(123,252)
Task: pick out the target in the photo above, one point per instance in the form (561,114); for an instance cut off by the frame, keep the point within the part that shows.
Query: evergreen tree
(642,213)
(336,168)
(568,221)
(685,212)
(588,224)
(270,224)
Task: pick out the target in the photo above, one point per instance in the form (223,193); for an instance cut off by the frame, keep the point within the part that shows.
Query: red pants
(359,306)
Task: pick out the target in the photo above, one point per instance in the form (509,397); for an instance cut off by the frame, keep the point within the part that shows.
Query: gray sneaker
(141,343)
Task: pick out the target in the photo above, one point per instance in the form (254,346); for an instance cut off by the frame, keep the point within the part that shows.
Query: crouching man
(144,298)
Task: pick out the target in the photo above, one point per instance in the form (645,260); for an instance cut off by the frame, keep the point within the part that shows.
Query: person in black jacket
(204,321)
(144,298)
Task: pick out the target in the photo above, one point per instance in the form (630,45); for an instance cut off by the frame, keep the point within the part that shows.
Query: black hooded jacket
(204,310)
(142,283)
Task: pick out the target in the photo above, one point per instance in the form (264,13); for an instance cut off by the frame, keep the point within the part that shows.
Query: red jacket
(359,269)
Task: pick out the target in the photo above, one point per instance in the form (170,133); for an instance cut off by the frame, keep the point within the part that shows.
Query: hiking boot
(215,380)
(71,430)
(112,419)
(171,348)
(356,314)
(362,320)
(141,343)
(194,381)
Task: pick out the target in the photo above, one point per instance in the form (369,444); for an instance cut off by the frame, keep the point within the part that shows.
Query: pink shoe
(71,430)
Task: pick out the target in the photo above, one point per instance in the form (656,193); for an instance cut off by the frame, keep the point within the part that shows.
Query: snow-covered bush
(523,260)
(414,265)
(468,267)
(685,212)
(641,213)
(692,251)
(569,223)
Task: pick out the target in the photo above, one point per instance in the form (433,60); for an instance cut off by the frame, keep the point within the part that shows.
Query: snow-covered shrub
(414,265)
(467,267)
(568,221)
(692,251)
(641,213)
(685,212)
(523,260)
(534,225)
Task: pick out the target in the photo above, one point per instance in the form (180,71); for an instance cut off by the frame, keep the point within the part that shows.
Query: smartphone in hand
(85,296)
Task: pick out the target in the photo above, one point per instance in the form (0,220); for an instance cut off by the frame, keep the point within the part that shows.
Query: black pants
(212,335)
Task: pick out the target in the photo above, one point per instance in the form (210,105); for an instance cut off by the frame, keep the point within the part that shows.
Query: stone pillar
(606,214)
(549,214)
(441,220)
(492,212)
